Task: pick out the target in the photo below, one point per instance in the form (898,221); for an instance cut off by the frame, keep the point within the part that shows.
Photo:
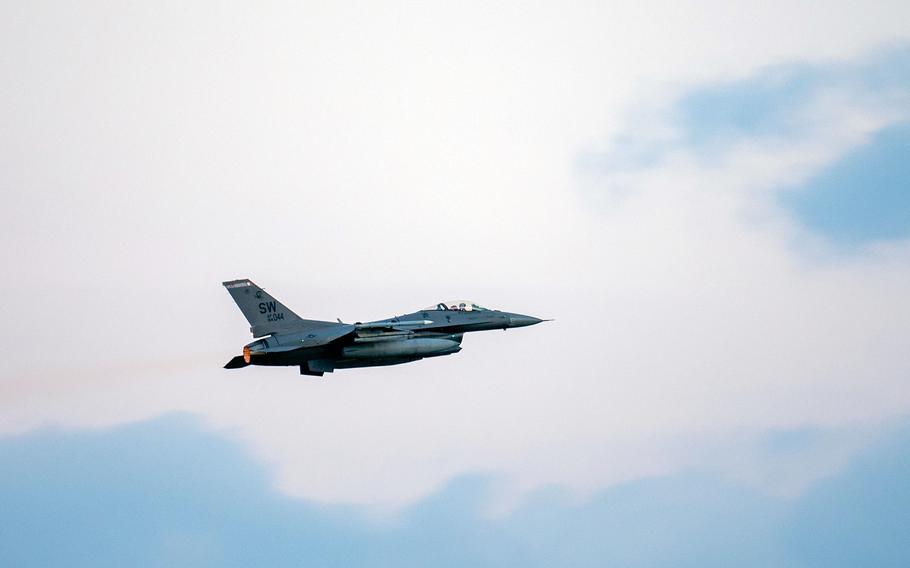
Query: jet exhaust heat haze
(285,339)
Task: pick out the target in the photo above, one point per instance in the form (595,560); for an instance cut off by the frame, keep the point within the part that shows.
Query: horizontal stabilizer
(236,363)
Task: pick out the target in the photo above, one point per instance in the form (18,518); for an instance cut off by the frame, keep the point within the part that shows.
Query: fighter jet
(319,347)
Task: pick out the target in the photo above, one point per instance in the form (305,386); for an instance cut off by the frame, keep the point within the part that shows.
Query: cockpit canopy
(457,305)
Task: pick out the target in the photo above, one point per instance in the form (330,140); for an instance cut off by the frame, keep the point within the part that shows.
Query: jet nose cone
(518,320)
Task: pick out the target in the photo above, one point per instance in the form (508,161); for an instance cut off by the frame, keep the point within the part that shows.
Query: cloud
(421,155)
(835,126)
(170,491)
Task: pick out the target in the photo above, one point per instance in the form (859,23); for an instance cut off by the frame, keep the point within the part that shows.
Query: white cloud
(360,162)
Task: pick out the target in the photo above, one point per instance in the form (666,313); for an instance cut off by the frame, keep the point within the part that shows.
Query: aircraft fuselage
(318,347)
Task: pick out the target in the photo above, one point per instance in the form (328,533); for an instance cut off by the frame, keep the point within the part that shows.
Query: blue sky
(171,492)
(708,394)
(864,197)
(861,197)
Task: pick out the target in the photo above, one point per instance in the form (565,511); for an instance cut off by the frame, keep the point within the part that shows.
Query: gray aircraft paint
(318,347)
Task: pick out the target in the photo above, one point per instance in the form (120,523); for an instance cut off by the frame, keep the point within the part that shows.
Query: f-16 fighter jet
(319,347)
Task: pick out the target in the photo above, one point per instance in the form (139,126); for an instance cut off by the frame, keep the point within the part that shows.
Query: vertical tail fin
(265,314)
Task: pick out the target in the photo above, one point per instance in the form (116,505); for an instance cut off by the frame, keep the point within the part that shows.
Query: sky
(711,199)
